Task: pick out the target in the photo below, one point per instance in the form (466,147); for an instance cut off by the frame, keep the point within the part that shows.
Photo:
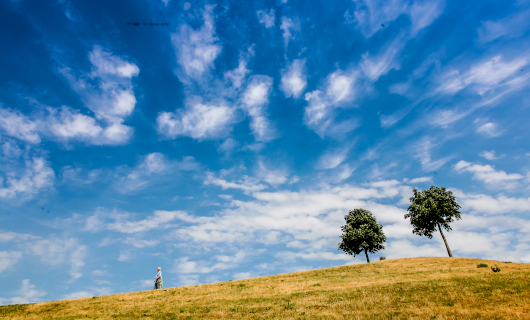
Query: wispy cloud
(490,176)
(152,169)
(289,27)
(36,177)
(26,294)
(8,259)
(56,251)
(512,26)
(247,184)
(198,120)
(294,79)
(108,92)
(17,125)
(255,99)
(123,222)
(385,60)
(487,128)
(267,19)
(490,155)
(483,76)
(319,113)
(371,16)
(197,49)
(423,153)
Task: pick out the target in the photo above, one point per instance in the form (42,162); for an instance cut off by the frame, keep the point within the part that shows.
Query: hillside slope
(423,288)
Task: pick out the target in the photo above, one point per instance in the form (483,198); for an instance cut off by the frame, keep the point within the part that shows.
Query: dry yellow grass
(415,288)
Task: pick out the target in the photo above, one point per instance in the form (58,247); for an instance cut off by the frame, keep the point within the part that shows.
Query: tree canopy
(433,208)
(361,233)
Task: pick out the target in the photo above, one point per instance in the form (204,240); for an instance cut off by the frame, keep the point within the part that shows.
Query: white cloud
(69,124)
(105,62)
(187,267)
(140,243)
(197,49)
(489,175)
(246,184)
(333,158)
(339,87)
(255,99)
(421,180)
(159,219)
(197,120)
(288,26)
(38,176)
(17,125)
(77,176)
(371,15)
(8,259)
(306,216)
(238,75)
(10,236)
(28,294)
(512,26)
(423,153)
(113,98)
(319,112)
(424,13)
(308,224)
(125,256)
(443,118)
(272,177)
(268,19)
(56,251)
(228,146)
(294,79)
(382,63)
(482,77)
(406,249)
(378,173)
(64,124)
(152,169)
(108,92)
(490,155)
(489,129)
(481,203)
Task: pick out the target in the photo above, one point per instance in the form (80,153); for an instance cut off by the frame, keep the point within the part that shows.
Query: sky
(227,140)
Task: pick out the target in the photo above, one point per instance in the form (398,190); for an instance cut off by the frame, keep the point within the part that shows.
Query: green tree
(361,233)
(431,208)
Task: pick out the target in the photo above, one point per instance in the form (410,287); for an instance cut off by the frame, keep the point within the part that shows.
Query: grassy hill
(422,288)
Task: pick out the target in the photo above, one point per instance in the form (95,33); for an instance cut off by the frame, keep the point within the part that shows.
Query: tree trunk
(445,241)
(366,253)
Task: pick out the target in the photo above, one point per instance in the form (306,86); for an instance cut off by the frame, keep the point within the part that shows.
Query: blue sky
(230,141)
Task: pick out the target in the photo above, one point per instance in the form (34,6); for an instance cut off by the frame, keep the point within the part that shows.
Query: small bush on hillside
(496,269)
(381,258)
(482,265)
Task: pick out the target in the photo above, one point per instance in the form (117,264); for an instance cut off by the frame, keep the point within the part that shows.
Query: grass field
(419,288)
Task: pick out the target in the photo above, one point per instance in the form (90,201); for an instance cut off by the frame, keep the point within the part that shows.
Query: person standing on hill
(158,280)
